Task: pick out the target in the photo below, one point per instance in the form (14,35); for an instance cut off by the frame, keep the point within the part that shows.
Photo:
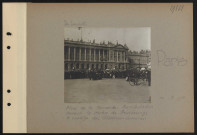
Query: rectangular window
(87,54)
(82,54)
(77,54)
(72,53)
(92,54)
(111,55)
(115,55)
(66,52)
(118,56)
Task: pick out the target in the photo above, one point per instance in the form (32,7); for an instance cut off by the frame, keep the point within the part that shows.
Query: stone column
(121,56)
(103,54)
(68,53)
(99,54)
(124,56)
(90,57)
(74,53)
(85,54)
(80,54)
(68,67)
(117,56)
(113,55)
(94,54)
(109,55)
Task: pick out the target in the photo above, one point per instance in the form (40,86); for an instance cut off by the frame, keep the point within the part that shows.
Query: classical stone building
(139,59)
(84,55)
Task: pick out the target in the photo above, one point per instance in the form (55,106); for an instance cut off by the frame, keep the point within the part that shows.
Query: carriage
(137,76)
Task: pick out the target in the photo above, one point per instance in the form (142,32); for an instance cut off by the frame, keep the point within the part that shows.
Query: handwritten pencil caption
(124,112)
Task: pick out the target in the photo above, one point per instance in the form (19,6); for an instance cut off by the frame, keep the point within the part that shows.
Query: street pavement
(105,91)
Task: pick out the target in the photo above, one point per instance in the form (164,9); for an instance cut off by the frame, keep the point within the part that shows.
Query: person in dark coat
(90,74)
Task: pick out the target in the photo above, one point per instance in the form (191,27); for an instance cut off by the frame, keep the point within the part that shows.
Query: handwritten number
(176,8)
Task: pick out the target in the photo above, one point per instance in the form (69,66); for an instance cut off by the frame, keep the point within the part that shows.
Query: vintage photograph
(107,65)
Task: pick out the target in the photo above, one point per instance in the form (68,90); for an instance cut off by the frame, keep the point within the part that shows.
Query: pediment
(119,47)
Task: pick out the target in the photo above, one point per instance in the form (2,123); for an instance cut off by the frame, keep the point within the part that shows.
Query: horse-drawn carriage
(137,76)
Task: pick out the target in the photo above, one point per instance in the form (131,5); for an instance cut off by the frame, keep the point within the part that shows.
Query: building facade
(139,59)
(80,55)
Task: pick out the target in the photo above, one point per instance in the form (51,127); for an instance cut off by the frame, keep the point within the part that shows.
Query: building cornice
(89,44)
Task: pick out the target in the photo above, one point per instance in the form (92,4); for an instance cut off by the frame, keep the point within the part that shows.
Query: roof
(109,44)
(138,54)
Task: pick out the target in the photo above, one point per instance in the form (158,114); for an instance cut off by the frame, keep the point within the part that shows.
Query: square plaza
(105,91)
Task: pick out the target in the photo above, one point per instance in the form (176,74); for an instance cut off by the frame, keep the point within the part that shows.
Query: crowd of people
(94,74)
(137,74)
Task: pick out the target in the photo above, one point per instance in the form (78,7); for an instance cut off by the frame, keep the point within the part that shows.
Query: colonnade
(94,54)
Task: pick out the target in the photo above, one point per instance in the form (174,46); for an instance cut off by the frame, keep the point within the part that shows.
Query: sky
(138,38)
